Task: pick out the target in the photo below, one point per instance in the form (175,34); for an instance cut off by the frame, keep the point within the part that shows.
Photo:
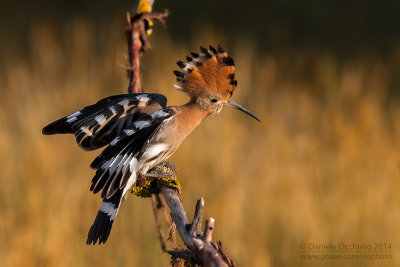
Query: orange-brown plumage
(211,72)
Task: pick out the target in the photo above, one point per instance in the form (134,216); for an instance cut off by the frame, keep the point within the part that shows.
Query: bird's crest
(211,70)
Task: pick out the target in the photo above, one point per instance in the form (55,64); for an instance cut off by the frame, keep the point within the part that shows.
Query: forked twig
(201,250)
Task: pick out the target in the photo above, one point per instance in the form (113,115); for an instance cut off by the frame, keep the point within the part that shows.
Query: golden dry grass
(322,167)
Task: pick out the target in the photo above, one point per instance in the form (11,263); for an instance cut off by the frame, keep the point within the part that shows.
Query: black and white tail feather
(101,227)
(122,122)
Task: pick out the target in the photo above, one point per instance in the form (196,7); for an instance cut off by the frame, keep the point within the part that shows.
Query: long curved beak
(239,107)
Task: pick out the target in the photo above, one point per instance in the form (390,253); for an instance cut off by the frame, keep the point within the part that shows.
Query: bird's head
(209,79)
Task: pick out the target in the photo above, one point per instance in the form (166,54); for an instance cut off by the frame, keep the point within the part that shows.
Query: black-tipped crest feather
(181,64)
(213,49)
(228,61)
(178,74)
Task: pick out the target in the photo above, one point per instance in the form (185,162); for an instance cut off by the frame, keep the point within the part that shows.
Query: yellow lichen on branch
(152,184)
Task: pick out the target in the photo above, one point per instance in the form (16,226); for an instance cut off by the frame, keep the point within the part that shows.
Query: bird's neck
(190,116)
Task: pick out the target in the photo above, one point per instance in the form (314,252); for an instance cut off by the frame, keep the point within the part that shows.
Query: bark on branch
(138,43)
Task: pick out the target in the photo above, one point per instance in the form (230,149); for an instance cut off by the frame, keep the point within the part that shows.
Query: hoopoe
(141,132)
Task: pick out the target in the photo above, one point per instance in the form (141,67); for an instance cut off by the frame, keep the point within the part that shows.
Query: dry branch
(136,37)
(201,250)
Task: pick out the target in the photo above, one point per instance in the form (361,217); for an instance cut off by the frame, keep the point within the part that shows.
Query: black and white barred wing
(117,168)
(117,165)
(97,125)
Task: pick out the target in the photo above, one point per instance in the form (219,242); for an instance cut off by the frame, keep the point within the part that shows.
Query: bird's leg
(141,180)
(165,169)
(164,174)
(169,165)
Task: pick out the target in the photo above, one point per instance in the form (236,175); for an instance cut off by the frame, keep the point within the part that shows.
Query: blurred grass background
(324,165)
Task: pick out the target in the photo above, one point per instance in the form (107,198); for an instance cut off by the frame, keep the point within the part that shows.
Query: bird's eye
(214,100)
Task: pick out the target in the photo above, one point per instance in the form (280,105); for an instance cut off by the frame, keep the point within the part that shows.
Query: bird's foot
(164,174)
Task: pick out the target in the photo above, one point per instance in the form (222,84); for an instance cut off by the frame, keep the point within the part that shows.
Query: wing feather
(117,163)
(97,125)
